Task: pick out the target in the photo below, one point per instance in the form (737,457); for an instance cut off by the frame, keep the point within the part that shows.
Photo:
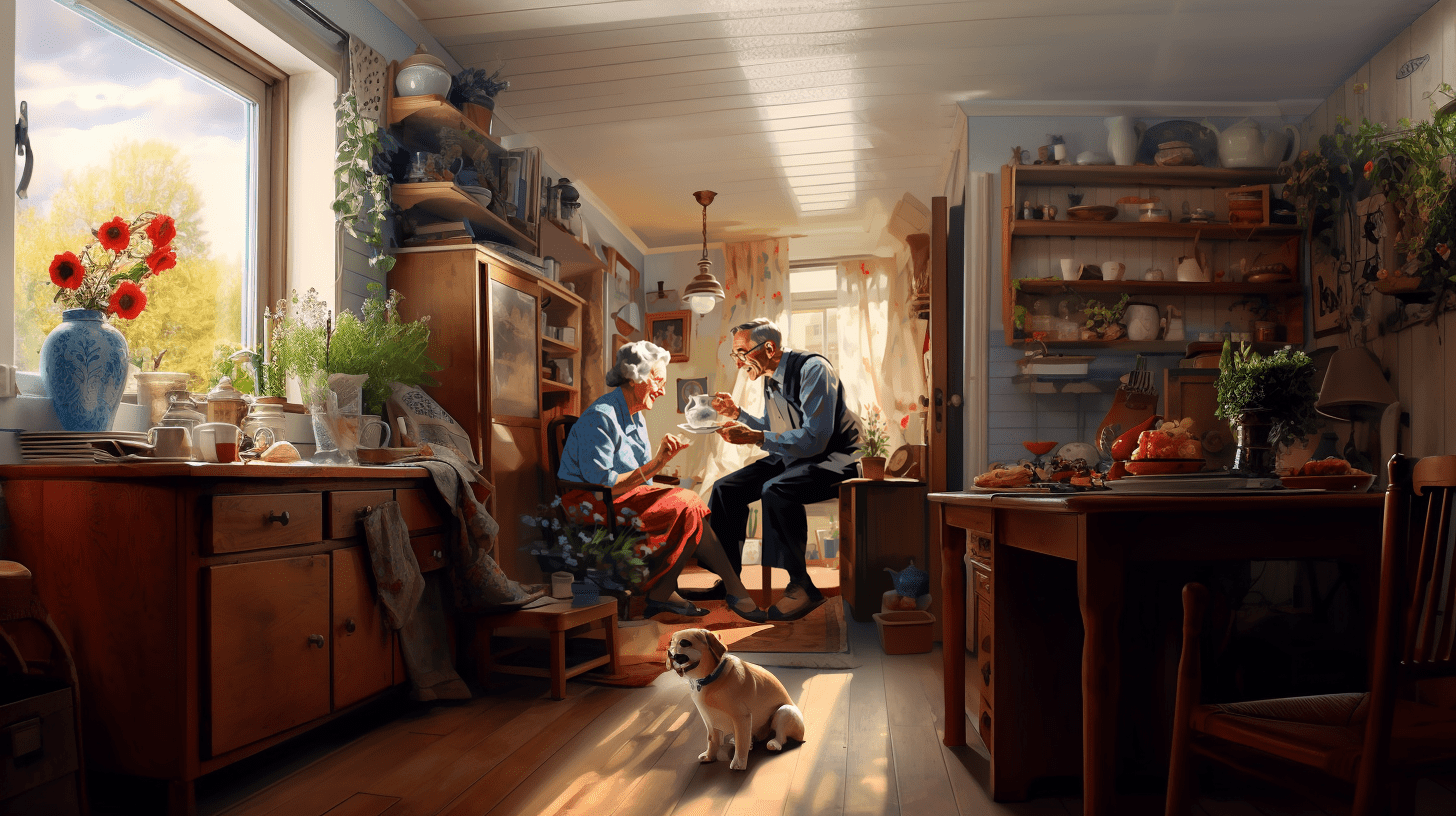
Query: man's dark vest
(845,438)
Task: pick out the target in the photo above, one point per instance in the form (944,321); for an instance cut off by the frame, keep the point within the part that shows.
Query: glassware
(226,403)
(265,415)
(182,412)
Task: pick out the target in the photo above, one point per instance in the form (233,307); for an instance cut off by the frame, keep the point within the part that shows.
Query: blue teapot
(912,582)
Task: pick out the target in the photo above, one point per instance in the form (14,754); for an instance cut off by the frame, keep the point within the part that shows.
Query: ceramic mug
(217,441)
(1069,269)
(1113,270)
(1153,275)
(168,442)
(369,437)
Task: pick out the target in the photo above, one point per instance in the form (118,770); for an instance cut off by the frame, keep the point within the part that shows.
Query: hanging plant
(361,192)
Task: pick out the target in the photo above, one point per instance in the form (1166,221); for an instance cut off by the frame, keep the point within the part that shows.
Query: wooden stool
(560,621)
(42,724)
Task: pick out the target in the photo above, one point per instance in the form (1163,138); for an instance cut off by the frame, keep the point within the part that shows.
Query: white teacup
(1113,270)
(217,441)
(168,442)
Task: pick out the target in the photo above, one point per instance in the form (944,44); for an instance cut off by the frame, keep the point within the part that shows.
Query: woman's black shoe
(716,592)
(686,610)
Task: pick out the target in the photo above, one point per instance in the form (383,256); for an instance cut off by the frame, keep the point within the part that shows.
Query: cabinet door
(1194,393)
(363,645)
(267,655)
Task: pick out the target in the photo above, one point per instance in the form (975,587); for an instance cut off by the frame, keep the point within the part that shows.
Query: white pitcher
(1122,138)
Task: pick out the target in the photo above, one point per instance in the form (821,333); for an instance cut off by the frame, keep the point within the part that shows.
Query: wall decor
(689,388)
(672,331)
(1330,293)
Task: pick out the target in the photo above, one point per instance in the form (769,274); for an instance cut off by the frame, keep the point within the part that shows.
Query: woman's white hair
(635,362)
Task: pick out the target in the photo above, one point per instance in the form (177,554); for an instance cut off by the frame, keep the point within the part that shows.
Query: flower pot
(83,363)
(585,593)
(873,467)
(1254,456)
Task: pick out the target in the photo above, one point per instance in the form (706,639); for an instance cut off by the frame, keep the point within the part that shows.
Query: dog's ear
(714,644)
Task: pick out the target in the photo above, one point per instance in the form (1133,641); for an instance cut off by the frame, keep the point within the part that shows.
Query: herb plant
(1280,386)
(1101,317)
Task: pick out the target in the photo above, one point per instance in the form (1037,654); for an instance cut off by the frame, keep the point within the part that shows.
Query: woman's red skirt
(671,517)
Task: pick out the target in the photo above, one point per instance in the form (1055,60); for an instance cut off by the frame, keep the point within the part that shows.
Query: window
(813,302)
(120,127)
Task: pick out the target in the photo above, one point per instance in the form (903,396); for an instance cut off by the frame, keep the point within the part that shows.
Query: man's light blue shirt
(808,433)
(605,443)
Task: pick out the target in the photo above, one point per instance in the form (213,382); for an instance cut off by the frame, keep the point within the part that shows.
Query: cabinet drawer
(983,583)
(420,509)
(348,507)
(258,522)
(979,547)
(429,551)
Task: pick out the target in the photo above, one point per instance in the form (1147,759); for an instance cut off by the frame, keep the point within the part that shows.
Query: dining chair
(1359,751)
(556,432)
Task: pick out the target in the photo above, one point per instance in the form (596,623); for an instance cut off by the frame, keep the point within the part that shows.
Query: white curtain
(881,343)
(756,283)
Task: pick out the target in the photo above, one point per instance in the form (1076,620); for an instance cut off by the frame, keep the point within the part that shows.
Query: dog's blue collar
(714,675)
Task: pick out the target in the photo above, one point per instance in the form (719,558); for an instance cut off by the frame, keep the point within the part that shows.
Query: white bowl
(418,80)
(482,195)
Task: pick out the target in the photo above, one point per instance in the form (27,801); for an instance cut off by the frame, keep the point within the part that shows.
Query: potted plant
(361,191)
(875,444)
(474,91)
(598,559)
(1103,321)
(1269,401)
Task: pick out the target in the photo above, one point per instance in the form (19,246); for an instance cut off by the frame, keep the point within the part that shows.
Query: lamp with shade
(1355,390)
(703,292)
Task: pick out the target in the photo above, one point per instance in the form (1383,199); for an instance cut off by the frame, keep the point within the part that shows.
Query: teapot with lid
(1246,145)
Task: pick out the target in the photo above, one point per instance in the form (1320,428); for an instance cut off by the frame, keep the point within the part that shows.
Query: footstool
(560,621)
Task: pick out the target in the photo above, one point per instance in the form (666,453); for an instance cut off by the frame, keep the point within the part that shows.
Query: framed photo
(672,331)
(689,388)
(1328,298)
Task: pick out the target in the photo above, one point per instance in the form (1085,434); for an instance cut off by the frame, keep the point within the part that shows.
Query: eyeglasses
(740,356)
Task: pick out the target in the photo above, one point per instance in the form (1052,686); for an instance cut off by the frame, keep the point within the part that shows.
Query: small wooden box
(38,756)
(1248,206)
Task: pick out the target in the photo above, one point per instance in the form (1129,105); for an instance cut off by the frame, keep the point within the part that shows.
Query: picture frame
(1327,300)
(672,331)
(687,388)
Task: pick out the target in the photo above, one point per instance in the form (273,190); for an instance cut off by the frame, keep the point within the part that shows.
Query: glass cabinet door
(515,363)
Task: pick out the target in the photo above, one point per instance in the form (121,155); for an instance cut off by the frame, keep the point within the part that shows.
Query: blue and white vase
(83,363)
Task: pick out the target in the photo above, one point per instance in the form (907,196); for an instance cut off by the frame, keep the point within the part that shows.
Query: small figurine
(1049,211)
(1026,210)
(1016,155)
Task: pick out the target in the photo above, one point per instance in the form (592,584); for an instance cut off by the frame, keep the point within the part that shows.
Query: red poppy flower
(904,422)
(66,271)
(161,230)
(1369,168)
(115,235)
(128,300)
(161,259)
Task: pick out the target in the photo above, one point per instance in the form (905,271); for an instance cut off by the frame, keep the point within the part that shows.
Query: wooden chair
(556,432)
(1360,751)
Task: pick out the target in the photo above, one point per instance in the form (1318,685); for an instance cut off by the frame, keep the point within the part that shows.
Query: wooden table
(1103,534)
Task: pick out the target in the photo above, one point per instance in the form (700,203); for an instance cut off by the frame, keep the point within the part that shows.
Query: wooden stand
(560,621)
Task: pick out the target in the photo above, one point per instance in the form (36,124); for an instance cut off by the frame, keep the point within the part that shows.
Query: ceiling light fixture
(704,291)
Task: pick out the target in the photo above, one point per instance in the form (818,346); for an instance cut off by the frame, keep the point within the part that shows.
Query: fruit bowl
(1160,467)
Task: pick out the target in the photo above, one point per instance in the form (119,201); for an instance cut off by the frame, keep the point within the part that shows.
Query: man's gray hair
(762,330)
(635,362)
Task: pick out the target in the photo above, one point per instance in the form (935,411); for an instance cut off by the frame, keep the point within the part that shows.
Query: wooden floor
(873,747)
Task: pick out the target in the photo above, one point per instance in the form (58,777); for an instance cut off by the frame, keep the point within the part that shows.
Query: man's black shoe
(716,592)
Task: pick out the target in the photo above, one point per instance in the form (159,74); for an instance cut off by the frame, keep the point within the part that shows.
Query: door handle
(939,412)
(955,400)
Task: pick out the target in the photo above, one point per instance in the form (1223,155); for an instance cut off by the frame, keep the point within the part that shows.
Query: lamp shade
(1353,381)
(703,292)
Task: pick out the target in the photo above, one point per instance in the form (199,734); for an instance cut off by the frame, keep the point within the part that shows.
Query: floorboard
(873,747)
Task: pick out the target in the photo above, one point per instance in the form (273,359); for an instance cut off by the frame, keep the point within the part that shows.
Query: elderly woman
(609,446)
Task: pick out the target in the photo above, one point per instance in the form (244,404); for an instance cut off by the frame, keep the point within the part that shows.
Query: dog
(733,697)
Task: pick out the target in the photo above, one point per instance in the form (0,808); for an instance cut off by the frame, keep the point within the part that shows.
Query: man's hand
(670,446)
(723,404)
(736,433)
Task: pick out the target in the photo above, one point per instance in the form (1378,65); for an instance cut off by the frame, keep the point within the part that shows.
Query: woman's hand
(736,433)
(723,404)
(670,446)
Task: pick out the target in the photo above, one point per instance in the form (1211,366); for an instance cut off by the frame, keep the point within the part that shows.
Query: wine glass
(1038,449)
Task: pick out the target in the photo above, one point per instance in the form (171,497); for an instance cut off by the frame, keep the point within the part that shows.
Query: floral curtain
(882,358)
(756,283)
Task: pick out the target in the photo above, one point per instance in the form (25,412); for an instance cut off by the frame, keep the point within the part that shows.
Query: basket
(906,632)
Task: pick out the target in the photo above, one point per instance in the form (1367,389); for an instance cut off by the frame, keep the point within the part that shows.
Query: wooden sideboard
(1043,563)
(214,610)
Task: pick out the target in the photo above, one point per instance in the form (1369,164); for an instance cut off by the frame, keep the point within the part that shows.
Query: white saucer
(690,429)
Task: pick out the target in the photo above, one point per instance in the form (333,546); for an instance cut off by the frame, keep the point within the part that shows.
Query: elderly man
(812,440)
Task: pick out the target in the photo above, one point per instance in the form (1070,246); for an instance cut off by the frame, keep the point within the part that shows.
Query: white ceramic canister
(1141,320)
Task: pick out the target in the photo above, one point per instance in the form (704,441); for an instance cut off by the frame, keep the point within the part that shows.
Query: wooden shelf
(556,387)
(1141,176)
(1048,286)
(1120,345)
(446,201)
(1145,229)
(559,292)
(421,117)
(556,347)
(574,256)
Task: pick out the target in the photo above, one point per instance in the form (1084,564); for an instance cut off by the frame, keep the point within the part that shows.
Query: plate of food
(1163,467)
(1331,473)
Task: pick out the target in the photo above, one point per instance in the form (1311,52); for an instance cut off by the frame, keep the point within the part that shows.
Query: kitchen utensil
(1134,401)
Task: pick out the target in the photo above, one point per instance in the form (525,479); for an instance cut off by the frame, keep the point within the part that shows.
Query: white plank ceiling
(813,117)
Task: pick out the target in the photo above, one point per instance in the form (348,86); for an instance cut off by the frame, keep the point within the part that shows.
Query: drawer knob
(366,510)
(437,554)
(279,518)
(316,641)
(350,626)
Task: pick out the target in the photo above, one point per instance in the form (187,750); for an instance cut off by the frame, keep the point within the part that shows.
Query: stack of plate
(71,447)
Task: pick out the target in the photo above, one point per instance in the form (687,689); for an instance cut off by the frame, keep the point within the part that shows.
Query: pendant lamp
(703,292)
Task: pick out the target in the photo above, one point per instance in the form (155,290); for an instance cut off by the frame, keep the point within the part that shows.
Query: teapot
(1246,145)
(700,413)
(912,582)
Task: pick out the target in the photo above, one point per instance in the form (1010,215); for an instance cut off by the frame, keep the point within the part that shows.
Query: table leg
(558,664)
(610,624)
(953,628)
(1099,592)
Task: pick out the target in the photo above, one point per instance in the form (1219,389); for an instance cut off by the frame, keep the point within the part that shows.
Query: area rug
(818,640)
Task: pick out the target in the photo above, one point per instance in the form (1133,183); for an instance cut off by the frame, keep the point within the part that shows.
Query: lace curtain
(756,283)
(882,344)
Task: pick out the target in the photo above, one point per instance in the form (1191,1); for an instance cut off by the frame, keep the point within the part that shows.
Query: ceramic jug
(912,582)
(1246,145)
(700,413)
(1123,133)
(1173,325)
(1141,320)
